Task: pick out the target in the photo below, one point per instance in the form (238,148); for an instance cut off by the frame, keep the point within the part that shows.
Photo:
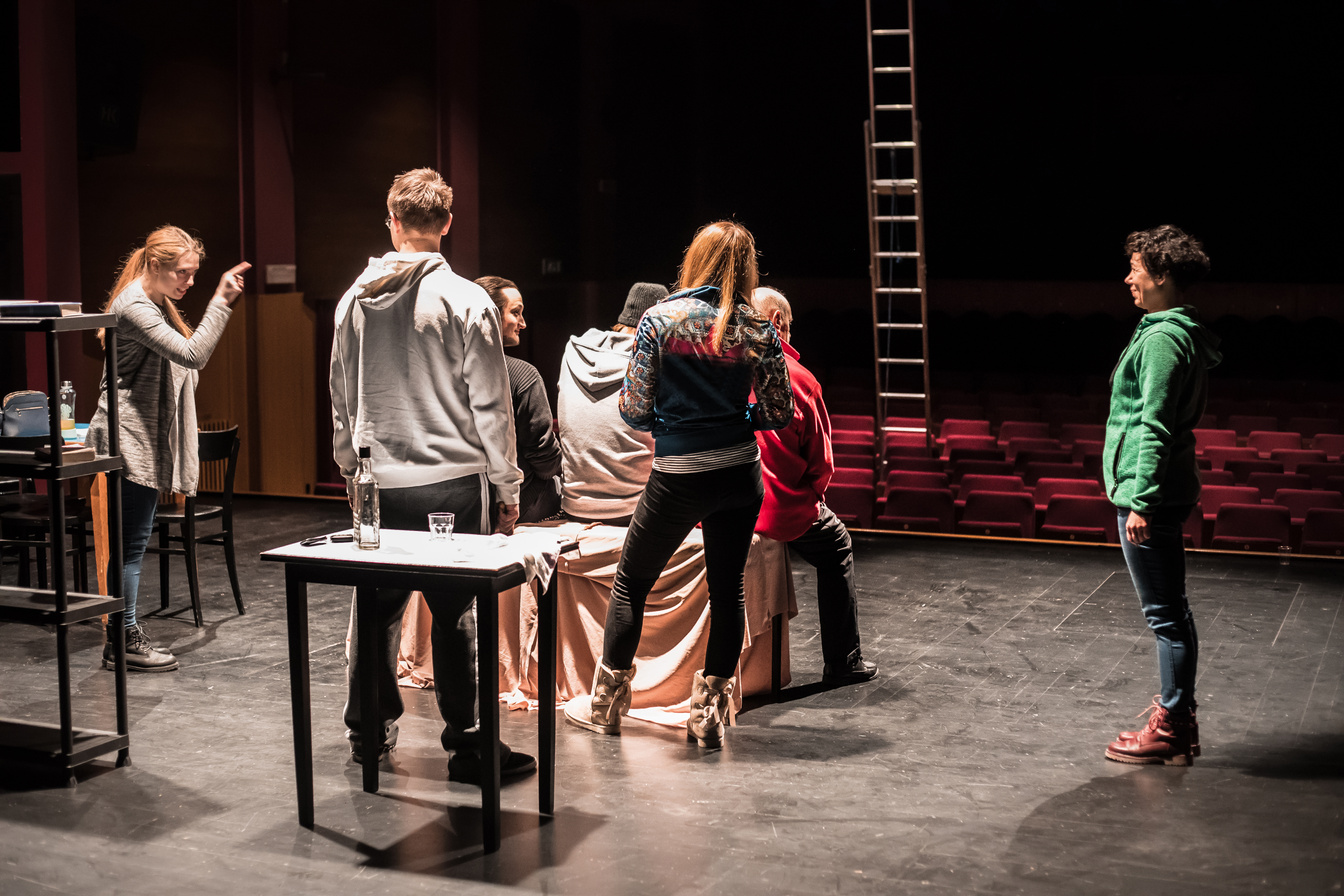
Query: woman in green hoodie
(1158,392)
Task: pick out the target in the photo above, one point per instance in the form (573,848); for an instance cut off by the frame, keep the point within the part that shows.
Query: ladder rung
(891,32)
(895,219)
(903,395)
(894,107)
(897,254)
(900,290)
(901,187)
(895,144)
(892,70)
(920,429)
(886,326)
(908,361)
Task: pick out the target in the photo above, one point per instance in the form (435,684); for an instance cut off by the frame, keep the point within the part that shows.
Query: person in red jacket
(796,467)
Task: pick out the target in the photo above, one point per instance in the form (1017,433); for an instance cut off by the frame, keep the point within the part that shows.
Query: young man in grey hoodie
(605,462)
(418,376)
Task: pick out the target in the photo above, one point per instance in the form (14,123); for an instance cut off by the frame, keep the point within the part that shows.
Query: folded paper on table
(673,640)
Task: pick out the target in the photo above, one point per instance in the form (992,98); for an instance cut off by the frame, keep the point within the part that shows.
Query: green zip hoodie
(1158,392)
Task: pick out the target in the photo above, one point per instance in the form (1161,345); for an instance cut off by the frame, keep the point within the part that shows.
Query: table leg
(546,636)
(370,651)
(296,605)
(487,675)
(776,653)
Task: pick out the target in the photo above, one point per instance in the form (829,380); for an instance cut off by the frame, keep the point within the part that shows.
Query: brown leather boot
(1165,739)
(1194,726)
(711,709)
(602,710)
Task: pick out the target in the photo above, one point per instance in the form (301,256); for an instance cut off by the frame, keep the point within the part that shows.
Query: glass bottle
(366,504)
(67,405)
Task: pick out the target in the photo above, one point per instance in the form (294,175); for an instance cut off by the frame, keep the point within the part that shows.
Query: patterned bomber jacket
(692,398)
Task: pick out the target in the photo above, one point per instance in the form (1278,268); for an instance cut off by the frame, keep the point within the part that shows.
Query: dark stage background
(607,132)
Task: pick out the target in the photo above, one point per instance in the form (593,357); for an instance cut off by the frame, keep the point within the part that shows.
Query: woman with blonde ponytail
(158,357)
(698,355)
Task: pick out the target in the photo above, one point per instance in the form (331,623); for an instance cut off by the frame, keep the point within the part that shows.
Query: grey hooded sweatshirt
(418,375)
(606,463)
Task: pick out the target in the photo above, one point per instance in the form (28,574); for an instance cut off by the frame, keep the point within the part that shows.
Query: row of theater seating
(1020,483)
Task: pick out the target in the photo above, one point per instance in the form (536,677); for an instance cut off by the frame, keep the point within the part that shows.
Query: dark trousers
(1157,568)
(827,547)
(452,633)
(726,503)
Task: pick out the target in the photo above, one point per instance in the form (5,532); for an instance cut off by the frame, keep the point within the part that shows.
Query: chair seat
(203,512)
(1072,533)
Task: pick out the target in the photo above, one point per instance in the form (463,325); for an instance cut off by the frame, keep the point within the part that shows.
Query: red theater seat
(852,503)
(1265,441)
(918,510)
(1010,514)
(1080,518)
(1046,489)
(1207,438)
(1251,527)
(1323,532)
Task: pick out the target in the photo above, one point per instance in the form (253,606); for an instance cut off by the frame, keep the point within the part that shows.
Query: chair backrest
(1332,443)
(1217,477)
(963,468)
(1214,496)
(1220,454)
(1072,516)
(1206,438)
(852,476)
(915,462)
(1023,429)
(1047,488)
(1320,473)
(1069,433)
(1242,469)
(1266,441)
(1027,456)
(978,481)
(1291,457)
(1300,500)
(853,437)
(955,455)
(1269,483)
(954,426)
(852,503)
(856,422)
(919,509)
(1001,507)
(1036,470)
(1323,531)
(1018,444)
(969,442)
(220,445)
(915,479)
(1252,527)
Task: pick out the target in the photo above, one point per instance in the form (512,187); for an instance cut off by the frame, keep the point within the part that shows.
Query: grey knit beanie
(642,297)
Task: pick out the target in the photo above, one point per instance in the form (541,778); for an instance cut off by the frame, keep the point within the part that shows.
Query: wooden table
(409,560)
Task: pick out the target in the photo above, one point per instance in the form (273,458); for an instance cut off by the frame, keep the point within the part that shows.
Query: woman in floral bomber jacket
(697,356)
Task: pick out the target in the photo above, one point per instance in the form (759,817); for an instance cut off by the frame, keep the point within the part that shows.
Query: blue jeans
(1158,569)
(138,504)
(726,503)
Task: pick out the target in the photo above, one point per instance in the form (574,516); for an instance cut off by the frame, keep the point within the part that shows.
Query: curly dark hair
(1169,251)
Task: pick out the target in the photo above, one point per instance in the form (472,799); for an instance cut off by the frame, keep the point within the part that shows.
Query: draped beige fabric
(672,644)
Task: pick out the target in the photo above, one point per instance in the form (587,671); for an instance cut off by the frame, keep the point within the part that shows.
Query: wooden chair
(212,446)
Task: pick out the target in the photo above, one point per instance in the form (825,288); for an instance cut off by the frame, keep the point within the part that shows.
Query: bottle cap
(364,451)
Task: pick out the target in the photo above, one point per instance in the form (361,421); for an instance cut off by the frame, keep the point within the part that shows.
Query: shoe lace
(1155,712)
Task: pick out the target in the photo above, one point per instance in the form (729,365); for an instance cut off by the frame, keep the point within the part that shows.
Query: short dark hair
(1169,251)
(494,287)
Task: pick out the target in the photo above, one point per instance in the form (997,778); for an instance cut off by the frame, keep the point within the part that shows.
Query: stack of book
(28,308)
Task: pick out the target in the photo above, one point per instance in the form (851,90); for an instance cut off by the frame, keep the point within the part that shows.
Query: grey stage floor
(972,764)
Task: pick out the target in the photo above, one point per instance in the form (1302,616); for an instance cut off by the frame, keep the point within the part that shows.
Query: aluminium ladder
(896,221)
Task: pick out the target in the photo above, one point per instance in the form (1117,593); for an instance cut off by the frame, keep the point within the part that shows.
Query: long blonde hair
(723,254)
(164,246)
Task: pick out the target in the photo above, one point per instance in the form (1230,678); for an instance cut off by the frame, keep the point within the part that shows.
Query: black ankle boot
(141,655)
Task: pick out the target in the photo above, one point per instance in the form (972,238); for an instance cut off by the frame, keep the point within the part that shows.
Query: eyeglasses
(338,538)
(387,222)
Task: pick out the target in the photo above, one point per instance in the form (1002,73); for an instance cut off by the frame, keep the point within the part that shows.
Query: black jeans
(726,503)
(452,633)
(827,547)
